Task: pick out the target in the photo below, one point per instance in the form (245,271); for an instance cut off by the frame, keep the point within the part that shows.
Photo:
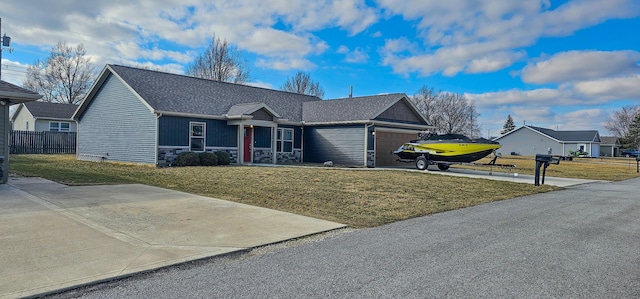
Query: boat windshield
(447,137)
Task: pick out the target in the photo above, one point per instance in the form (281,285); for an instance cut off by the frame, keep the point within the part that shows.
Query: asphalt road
(581,242)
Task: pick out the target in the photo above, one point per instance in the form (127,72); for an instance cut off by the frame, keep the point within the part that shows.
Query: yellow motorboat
(452,148)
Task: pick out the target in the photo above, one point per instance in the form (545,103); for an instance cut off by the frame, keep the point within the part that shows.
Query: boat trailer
(423,161)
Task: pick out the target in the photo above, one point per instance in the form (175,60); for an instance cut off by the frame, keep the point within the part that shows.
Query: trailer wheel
(421,163)
(443,166)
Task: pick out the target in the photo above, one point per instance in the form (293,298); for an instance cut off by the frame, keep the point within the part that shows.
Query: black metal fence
(27,142)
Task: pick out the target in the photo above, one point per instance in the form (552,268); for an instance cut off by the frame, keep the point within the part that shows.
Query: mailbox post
(544,161)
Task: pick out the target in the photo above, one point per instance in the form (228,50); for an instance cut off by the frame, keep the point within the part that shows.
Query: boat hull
(446,152)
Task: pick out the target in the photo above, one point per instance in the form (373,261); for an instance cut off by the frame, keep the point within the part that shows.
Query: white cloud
(537,97)
(493,62)
(463,35)
(13,72)
(261,84)
(611,88)
(284,64)
(277,30)
(581,65)
(358,55)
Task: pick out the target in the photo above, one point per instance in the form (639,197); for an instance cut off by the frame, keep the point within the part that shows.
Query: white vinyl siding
(118,126)
(23,121)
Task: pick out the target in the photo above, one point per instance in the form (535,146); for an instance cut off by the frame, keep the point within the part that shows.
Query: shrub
(208,159)
(188,159)
(223,158)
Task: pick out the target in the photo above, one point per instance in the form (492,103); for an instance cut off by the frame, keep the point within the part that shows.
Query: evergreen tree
(508,125)
(632,139)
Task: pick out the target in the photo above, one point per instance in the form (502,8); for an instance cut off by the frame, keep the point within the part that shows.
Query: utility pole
(5,42)
(1,45)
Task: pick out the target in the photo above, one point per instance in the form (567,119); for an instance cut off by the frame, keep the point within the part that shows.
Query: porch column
(240,143)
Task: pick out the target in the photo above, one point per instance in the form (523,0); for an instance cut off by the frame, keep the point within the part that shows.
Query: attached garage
(389,140)
(363,131)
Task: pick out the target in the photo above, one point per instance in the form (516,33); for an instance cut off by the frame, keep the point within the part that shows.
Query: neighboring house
(9,94)
(44,116)
(610,146)
(530,140)
(146,117)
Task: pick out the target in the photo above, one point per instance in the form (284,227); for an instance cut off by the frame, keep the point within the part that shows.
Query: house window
(284,141)
(27,126)
(197,136)
(58,126)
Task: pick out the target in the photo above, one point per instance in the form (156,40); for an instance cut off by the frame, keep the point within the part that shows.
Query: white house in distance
(44,116)
(610,146)
(530,140)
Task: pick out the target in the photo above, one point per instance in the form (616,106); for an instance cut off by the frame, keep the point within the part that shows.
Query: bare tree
(301,83)
(426,100)
(65,77)
(619,122)
(220,62)
(449,113)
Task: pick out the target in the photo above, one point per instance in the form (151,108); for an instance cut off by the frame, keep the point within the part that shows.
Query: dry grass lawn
(356,197)
(607,169)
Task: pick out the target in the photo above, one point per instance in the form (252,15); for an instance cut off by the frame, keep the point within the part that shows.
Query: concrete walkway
(495,174)
(54,236)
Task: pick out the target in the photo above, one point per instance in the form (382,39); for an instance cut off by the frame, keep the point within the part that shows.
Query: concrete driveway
(496,174)
(55,236)
(580,242)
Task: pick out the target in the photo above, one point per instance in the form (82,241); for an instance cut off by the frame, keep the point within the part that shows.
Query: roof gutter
(372,122)
(182,114)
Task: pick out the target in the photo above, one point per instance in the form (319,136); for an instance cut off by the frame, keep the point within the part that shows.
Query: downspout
(366,145)
(301,144)
(158,116)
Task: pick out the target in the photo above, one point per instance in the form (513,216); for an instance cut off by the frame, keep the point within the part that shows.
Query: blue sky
(558,64)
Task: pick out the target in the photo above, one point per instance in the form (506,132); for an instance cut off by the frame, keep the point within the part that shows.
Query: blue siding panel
(340,144)
(118,125)
(174,131)
(262,137)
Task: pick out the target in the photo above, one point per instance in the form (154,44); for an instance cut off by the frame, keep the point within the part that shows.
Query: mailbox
(544,161)
(547,159)
(543,158)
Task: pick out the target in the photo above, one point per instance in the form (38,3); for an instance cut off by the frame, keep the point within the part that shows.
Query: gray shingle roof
(246,109)
(184,94)
(16,94)
(587,135)
(359,108)
(609,140)
(51,110)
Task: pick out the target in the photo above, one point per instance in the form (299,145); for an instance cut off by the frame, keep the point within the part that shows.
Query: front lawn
(356,197)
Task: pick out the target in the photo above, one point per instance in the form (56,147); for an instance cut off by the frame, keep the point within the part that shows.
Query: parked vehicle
(443,150)
(631,153)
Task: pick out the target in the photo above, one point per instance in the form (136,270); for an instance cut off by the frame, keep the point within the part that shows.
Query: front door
(247,143)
